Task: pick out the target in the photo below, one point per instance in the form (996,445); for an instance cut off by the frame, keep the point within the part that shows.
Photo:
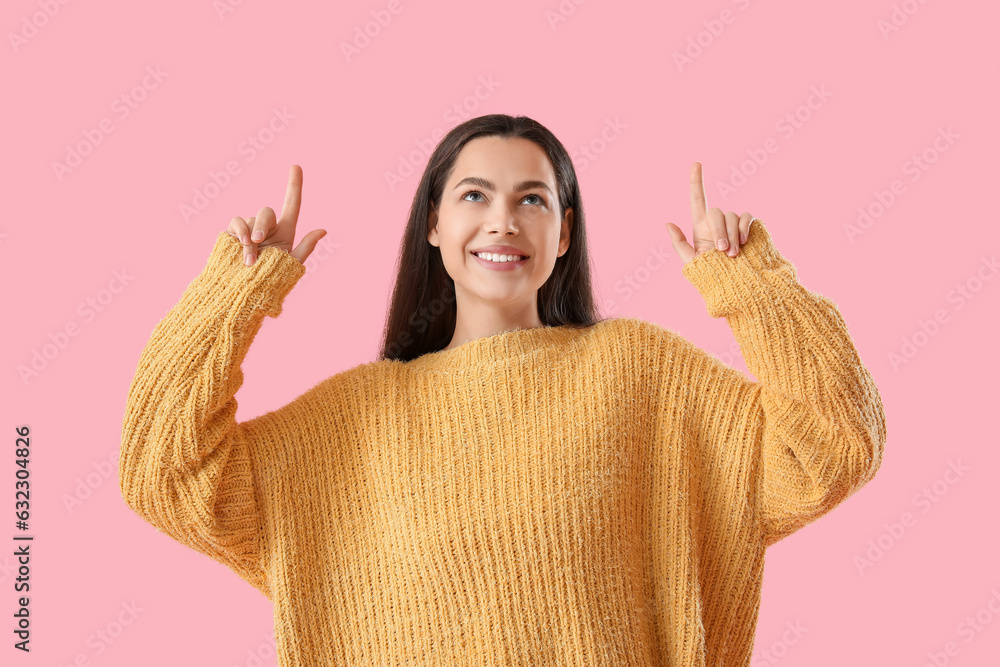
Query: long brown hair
(422,311)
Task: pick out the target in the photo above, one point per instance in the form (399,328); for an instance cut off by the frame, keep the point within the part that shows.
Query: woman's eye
(540,199)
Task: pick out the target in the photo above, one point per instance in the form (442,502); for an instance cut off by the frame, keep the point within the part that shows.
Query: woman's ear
(564,233)
(432,233)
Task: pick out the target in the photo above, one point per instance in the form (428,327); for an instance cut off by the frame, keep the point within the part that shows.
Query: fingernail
(722,243)
(743,237)
(732,251)
(248,259)
(257,235)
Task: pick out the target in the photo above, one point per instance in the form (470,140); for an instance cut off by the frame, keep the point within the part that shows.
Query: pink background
(66,240)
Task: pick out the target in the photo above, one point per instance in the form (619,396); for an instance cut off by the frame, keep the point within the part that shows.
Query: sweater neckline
(498,347)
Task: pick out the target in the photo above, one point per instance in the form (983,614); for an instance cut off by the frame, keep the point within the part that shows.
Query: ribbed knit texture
(544,496)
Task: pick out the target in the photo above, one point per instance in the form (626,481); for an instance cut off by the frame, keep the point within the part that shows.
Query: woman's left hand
(712,228)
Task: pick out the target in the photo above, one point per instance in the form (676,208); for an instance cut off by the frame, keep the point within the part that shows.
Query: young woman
(515,480)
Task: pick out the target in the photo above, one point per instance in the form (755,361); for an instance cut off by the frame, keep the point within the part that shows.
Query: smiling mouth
(499,258)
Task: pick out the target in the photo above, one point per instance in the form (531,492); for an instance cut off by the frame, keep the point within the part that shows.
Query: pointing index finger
(293,196)
(697,193)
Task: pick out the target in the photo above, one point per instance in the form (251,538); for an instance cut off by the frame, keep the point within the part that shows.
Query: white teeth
(493,257)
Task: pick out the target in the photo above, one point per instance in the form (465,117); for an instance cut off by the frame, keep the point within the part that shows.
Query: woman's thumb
(308,244)
(681,246)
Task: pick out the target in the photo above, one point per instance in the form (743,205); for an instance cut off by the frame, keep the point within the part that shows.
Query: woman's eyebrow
(518,187)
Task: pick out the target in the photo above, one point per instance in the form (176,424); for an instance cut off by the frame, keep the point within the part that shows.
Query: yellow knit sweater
(545,496)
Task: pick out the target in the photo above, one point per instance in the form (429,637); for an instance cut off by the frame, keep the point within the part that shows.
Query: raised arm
(187,467)
(812,428)
(813,424)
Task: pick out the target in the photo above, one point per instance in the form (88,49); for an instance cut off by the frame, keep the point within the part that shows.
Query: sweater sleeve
(186,466)
(812,428)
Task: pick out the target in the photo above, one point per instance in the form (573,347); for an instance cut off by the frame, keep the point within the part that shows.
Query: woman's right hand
(263,231)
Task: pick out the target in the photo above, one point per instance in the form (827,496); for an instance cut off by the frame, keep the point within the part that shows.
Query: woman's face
(501,192)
